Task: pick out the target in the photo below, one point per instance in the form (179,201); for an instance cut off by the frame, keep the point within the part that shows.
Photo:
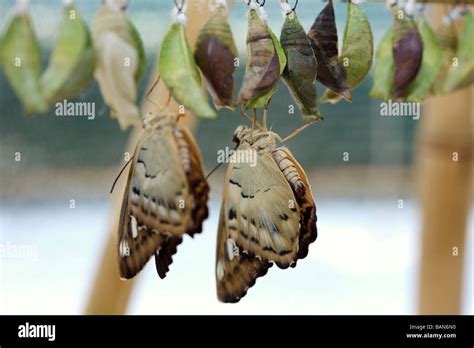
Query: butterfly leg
(299,130)
(250,118)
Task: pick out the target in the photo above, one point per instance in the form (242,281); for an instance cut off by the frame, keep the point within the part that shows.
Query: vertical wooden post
(445,179)
(109,294)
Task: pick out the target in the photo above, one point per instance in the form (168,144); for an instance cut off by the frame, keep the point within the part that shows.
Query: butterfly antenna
(151,90)
(248,117)
(213,170)
(299,130)
(119,174)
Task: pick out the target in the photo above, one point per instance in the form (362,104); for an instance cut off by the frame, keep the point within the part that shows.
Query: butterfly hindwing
(197,182)
(299,183)
(235,271)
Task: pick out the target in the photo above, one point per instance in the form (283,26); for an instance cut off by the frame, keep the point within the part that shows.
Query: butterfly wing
(302,190)
(156,209)
(236,272)
(261,210)
(199,189)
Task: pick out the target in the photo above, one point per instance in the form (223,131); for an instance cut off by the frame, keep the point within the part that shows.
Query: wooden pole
(109,294)
(445,169)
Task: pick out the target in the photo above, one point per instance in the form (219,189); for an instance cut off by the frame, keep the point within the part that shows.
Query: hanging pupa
(72,63)
(357,51)
(179,71)
(323,37)
(431,64)
(384,67)
(461,70)
(265,63)
(216,54)
(120,61)
(407,50)
(21,59)
(448,42)
(301,66)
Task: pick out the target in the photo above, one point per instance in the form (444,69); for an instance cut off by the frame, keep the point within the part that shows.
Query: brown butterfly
(165,196)
(267,214)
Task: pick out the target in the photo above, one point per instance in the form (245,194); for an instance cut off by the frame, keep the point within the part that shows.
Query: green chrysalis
(430,65)
(461,71)
(215,55)
(323,36)
(384,67)
(448,43)
(21,60)
(265,64)
(357,51)
(72,62)
(301,67)
(180,73)
(120,60)
(407,49)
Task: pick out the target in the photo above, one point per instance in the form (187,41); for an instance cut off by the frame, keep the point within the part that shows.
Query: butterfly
(267,214)
(165,197)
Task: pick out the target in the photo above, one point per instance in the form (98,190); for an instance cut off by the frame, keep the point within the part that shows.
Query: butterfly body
(267,216)
(165,197)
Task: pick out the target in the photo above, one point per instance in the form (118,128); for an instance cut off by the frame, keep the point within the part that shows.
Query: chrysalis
(165,197)
(323,36)
(301,67)
(357,51)
(268,214)
(448,43)
(215,55)
(384,67)
(21,60)
(462,74)
(180,73)
(72,63)
(265,64)
(430,66)
(407,49)
(119,60)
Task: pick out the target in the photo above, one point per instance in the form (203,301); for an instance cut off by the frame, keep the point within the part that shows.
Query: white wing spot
(231,249)
(175,216)
(134,226)
(220,270)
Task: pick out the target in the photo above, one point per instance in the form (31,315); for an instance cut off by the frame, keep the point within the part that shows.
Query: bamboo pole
(109,294)
(445,164)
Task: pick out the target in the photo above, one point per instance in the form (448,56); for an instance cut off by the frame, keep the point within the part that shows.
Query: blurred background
(366,259)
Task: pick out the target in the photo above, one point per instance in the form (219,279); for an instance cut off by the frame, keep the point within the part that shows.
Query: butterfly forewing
(262,213)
